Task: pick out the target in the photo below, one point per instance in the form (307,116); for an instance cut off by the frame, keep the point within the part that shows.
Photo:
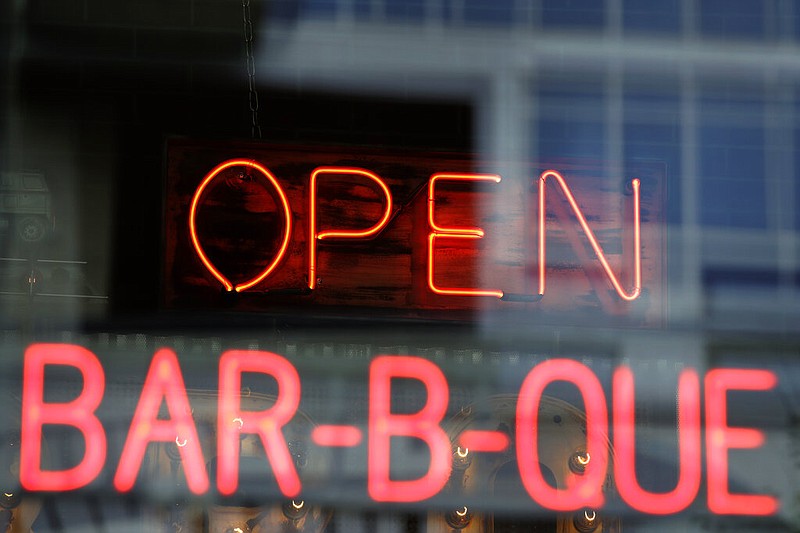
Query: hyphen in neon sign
(437,232)
(583,488)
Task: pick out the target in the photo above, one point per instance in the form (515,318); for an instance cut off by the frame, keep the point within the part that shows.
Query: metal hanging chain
(251,69)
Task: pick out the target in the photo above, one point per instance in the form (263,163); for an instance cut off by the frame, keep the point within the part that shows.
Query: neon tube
(432,200)
(339,234)
(196,241)
(454,291)
(637,238)
(336,435)
(453,233)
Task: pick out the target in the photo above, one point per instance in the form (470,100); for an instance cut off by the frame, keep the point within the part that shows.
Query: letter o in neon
(581,491)
(287,214)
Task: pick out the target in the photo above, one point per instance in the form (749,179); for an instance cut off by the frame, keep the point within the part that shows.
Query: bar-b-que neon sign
(164,384)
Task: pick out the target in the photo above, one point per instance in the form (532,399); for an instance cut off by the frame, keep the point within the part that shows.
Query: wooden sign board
(244,221)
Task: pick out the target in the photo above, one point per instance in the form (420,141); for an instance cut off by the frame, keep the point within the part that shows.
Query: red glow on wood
(689,442)
(581,491)
(232,421)
(453,232)
(78,413)
(720,438)
(287,224)
(164,381)
(313,235)
(423,425)
(337,436)
(637,258)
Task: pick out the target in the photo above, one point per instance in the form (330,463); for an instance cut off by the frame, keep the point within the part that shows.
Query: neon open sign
(436,232)
(697,397)
(374,230)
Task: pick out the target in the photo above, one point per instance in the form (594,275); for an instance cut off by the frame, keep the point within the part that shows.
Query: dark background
(96,89)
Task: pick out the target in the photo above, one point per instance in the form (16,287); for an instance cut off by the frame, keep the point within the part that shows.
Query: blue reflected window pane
(661,144)
(652,136)
(571,120)
(731,105)
(652,132)
(732,187)
(405,10)
(733,277)
(653,101)
(318,8)
(796,16)
(578,91)
(797,180)
(571,138)
(726,18)
(651,16)
(489,12)
(363,9)
(573,13)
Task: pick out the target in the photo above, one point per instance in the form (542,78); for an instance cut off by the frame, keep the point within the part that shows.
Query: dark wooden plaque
(240,226)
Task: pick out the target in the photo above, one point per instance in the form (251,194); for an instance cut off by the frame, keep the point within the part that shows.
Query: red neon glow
(432,201)
(339,234)
(453,233)
(582,491)
(164,381)
(339,436)
(483,441)
(720,438)
(287,224)
(232,421)
(423,425)
(689,442)
(78,413)
(637,239)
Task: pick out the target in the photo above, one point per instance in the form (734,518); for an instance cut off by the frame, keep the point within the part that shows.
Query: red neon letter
(688,440)
(78,413)
(339,234)
(163,381)
(720,438)
(637,239)
(287,224)
(582,491)
(232,421)
(453,233)
(424,425)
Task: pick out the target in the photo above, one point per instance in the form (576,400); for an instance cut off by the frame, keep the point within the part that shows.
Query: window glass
(740,19)
(797,179)
(405,10)
(319,8)
(489,12)
(652,133)
(732,188)
(571,118)
(651,16)
(573,13)
(731,156)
